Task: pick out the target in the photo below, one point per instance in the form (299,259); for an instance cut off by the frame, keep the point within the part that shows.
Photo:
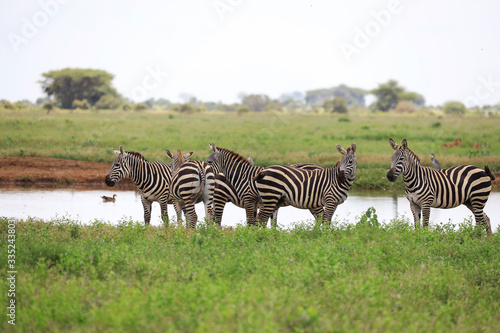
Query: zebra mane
(138,155)
(235,155)
(413,155)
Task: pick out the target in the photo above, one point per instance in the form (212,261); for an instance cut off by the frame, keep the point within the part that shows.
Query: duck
(109,199)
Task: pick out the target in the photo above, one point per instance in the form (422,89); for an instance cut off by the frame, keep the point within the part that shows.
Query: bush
(454,107)
(406,107)
(126,107)
(242,109)
(337,104)
(186,108)
(107,102)
(140,107)
(8,105)
(84,104)
(49,106)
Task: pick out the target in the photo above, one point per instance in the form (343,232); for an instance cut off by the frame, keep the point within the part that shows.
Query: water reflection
(86,205)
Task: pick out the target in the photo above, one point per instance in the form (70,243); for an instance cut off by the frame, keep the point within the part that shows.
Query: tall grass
(361,277)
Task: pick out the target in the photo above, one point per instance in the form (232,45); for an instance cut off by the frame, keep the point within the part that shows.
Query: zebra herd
(227,176)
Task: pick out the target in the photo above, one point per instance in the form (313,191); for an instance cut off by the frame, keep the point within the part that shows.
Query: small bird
(109,199)
(435,162)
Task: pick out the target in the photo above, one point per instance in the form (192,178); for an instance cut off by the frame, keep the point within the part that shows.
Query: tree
(256,102)
(353,96)
(49,106)
(389,94)
(74,83)
(454,107)
(337,104)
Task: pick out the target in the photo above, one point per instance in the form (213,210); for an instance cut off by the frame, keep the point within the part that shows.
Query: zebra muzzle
(391,176)
(108,181)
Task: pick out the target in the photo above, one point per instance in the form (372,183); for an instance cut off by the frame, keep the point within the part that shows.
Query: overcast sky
(216,49)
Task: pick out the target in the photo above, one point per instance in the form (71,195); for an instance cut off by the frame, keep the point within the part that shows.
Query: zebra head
(347,169)
(120,168)
(177,159)
(398,159)
(215,160)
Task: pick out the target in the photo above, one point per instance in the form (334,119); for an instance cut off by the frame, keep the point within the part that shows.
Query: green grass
(363,277)
(269,138)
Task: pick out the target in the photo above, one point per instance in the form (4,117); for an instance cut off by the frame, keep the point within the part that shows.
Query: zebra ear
(250,160)
(169,153)
(180,155)
(394,145)
(353,147)
(341,150)
(404,144)
(122,151)
(213,148)
(117,152)
(187,155)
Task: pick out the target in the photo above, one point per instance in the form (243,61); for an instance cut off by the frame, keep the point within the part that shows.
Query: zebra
(320,190)
(234,174)
(192,182)
(233,183)
(446,188)
(152,179)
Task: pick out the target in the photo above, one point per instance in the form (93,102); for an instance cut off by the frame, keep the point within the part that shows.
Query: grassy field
(363,277)
(268,138)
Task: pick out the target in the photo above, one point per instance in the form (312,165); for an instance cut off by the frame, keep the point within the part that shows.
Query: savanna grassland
(361,277)
(364,277)
(269,138)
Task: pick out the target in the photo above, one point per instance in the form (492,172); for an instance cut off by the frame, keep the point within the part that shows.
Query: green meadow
(270,138)
(364,277)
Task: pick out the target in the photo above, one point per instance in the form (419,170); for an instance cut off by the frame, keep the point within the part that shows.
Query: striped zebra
(152,179)
(446,188)
(192,182)
(320,191)
(234,174)
(234,183)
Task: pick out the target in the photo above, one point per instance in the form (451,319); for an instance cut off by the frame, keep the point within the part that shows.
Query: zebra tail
(259,176)
(489,173)
(195,196)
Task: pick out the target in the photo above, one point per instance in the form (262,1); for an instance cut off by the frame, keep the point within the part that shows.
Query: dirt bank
(39,170)
(55,171)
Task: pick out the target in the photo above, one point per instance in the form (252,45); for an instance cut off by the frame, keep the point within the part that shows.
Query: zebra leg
(251,212)
(480,216)
(178,212)
(267,209)
(191,216)
(146,204)
(426,213)
(164,212)
(416,211)
(329,211)
(274,218)
(318,213)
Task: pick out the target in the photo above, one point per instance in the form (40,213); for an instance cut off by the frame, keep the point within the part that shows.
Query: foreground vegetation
(363,277)
(270,138)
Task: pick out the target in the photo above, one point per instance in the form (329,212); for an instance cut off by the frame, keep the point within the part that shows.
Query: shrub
(454,107)
(140,107)
(337,104)
(49,106)
(107,102)
(242,109)
(8,105)
(406,107)
(83,104)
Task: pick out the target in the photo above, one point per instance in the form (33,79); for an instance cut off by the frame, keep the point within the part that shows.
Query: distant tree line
(86,89)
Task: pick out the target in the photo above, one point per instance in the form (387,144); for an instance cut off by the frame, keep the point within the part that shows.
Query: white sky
(444,50)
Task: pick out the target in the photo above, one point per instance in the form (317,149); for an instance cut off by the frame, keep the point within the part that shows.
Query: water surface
(86,206)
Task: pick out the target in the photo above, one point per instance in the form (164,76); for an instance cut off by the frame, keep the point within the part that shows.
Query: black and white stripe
(319,190)
(152,179)
(234,175)
(192,182)
(446,188)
